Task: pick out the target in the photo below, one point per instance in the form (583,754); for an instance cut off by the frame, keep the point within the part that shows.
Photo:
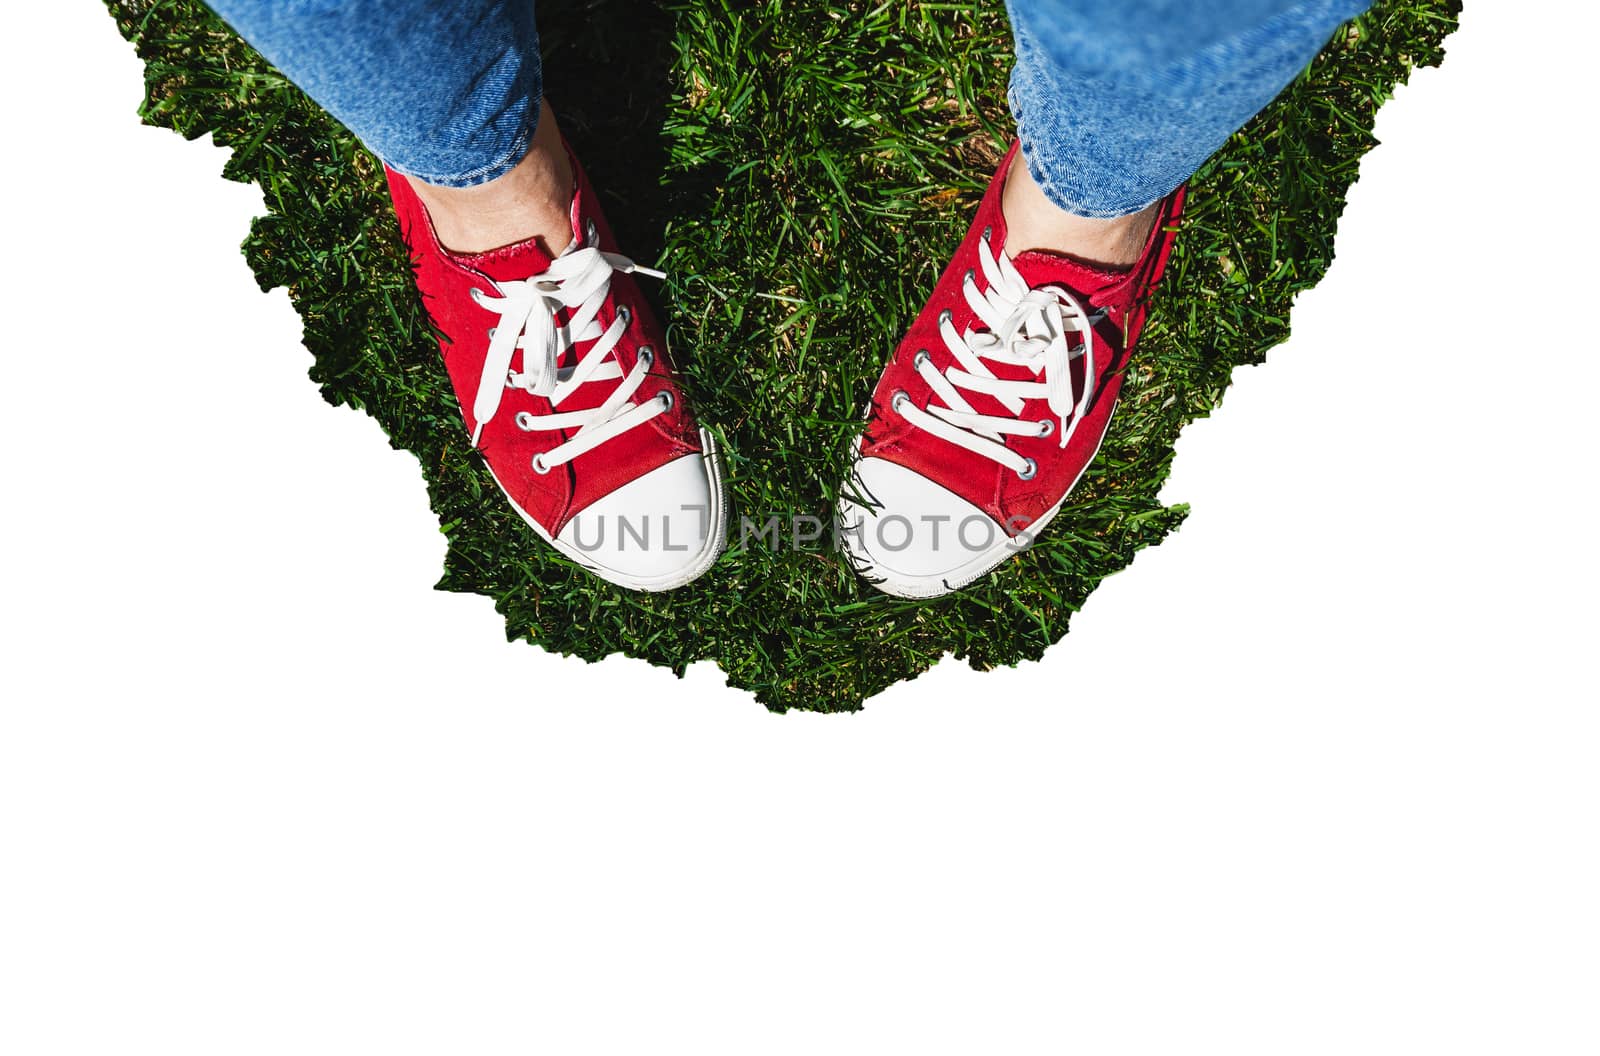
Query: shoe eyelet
(538,465)
(898,400)
(1029,472)
(592,231)
(524,421)
(647,355)
(511,379)
(625,314)
(921,358)
(476,295)
(1046,427)
(666,400)
(492,331)
(946,316)
(988,233)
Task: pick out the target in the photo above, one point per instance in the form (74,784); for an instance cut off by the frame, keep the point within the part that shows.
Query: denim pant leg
(446,91)
(1118,104)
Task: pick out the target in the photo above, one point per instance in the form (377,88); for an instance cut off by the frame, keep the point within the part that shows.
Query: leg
(448,94)
(557,362)
(998,399)
(1114,113)
(1113,117)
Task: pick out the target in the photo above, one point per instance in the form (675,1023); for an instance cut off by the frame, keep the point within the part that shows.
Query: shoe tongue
(1103,286)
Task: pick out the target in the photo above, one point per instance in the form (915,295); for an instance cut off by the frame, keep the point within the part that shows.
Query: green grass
(803,171)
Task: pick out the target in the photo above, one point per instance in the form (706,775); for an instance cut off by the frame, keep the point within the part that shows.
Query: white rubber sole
(921,588)
(707,556)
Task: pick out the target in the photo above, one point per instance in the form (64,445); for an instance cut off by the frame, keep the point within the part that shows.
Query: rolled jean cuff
(1089,184)
(510,159)
(486,141)
(1097,146)
(445,91)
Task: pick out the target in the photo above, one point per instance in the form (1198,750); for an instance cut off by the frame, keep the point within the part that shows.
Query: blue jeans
(1116,104)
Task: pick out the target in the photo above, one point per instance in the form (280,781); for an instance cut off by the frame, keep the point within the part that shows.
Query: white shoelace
(1025,327)
(576,281)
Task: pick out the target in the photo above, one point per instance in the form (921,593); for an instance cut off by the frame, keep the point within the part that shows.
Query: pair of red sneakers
(988,413)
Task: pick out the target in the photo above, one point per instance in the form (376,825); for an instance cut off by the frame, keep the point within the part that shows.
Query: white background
(262,790)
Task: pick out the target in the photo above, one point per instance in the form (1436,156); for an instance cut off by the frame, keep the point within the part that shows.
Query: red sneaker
(561,372)
(993,406)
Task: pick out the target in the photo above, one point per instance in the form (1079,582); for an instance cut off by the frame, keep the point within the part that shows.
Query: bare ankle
(533,200)
(1034,222)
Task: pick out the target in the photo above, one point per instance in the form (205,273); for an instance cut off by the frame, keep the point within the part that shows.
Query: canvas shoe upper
(561,372)
(993,405)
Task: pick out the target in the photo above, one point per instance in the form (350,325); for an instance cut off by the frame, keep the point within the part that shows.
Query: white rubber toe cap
(916,539)
(654,533)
